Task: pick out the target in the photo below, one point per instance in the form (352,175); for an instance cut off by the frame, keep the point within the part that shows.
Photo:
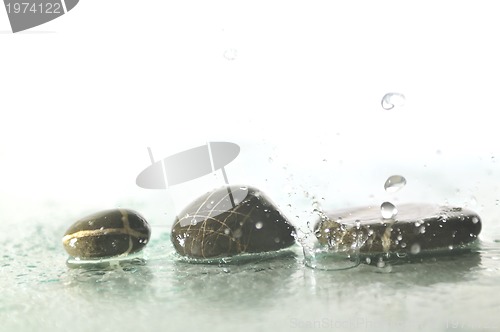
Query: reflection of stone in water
(130,280)
(230,285)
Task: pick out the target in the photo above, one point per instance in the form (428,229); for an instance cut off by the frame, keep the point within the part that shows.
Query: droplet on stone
(209,237)
(393,100)
(419,227)
(415,248)
(394,183)
(388,210)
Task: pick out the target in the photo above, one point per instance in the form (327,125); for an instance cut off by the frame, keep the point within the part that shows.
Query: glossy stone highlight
(109,233)
(229,221)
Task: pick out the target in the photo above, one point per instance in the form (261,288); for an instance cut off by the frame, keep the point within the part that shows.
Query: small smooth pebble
(109,233)
(229,221)
(423,226)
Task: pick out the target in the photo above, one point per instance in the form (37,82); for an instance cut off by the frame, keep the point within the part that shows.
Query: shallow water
(436,293)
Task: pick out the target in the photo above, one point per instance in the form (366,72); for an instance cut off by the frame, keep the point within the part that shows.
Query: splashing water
(393,100)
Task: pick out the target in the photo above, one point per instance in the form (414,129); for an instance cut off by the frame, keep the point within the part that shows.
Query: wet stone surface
(417,228)
(109,233)
(229,221)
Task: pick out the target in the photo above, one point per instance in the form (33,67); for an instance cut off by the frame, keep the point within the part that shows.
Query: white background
(296,84)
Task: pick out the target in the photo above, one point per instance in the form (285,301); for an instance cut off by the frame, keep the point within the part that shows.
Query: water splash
(392,100)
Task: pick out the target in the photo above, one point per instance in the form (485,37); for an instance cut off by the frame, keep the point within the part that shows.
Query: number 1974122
(34,8)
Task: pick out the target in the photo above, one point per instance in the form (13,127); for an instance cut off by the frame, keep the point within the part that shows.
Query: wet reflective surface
(278,292)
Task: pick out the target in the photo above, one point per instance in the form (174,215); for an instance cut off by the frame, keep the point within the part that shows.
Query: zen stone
(229,221)
(109,233)
(416,228)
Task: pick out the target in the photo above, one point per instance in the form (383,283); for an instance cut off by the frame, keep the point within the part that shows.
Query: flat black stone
(416,228)
(106,234)
(229,221)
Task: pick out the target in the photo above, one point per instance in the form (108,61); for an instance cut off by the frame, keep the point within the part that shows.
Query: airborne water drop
(394,183)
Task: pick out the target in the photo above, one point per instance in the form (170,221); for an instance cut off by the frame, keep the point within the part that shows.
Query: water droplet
(450,247)
(415,248)
(475,220)
(357,223)
(277,240)
(237,233)
(227,231)
(230,54)
(400,237)
(388,210)
(403,245)
(259,225)
(380,263)
(392,100)
(368,260)
(394,183)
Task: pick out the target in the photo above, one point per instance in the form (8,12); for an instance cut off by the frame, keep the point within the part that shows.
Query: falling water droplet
(475,220)
(388,210)
(394,183)
(259,225)
(392,100)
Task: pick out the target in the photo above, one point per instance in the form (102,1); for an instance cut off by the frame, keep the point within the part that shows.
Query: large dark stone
(416,228)
(229,221)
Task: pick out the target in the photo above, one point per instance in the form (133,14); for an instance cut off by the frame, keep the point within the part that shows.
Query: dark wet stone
(229,221)
(416,228)
(106,234)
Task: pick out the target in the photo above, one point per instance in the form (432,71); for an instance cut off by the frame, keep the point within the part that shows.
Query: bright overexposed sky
(297,84)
